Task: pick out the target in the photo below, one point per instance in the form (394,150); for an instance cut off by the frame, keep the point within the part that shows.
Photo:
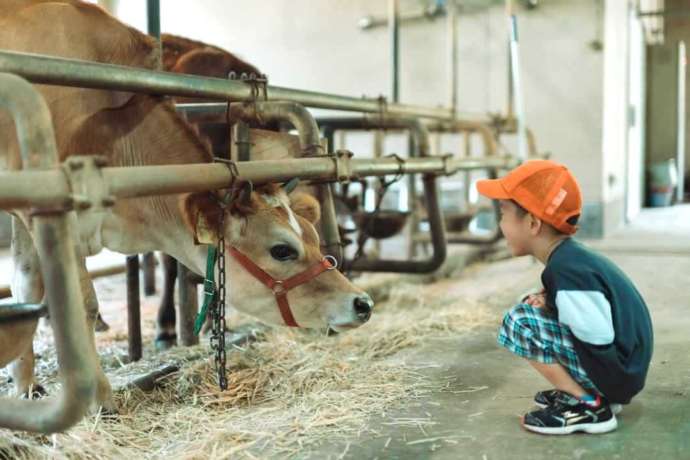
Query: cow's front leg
(16,339)
(103,391)
(22,372)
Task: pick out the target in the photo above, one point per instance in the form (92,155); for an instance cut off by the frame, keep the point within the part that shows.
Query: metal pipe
(208,112)
(310,143)
(394,34)
(428,14)
(456,126)
(18,189)
(452,31)
(242,141)
(295,114)
(71,72)
(516,88)
(54,238)
(132,182)
(510,110)
(153,18)
(6,291)
(149,269)
(133,309)
(681,125)
(412,195)
(422,148)
(681,12)
(153,27)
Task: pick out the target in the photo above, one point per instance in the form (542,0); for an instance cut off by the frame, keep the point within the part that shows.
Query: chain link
(218,311)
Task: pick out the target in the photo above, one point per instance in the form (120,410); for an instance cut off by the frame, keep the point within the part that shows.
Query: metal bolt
(100,161)
(75,165)
(68,203)
(108,201)
(82,204)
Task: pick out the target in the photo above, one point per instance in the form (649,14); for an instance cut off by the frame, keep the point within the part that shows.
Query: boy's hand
(536,300)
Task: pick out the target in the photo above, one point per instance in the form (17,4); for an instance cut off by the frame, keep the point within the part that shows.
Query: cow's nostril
(363,307)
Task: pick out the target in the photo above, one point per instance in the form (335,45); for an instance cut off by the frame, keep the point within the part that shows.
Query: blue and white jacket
(607,315)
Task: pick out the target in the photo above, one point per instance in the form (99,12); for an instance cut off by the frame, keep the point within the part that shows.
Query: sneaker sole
(615,408)
(591,428)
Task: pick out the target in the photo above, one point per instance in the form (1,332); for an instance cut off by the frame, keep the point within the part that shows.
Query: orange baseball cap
(544,188)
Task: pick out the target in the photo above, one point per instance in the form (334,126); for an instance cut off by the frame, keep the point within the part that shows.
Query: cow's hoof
(165,341)
(331,332)
(101,326)
(35,391)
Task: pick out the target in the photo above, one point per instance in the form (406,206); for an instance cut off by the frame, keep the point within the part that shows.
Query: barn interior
(389,113)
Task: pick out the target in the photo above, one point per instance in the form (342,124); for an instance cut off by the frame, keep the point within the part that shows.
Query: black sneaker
(568,414)
(546,398)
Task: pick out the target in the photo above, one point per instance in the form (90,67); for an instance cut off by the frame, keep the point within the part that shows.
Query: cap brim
(492,188)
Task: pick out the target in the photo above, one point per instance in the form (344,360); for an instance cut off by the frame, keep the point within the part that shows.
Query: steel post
(133,309)
(54,237)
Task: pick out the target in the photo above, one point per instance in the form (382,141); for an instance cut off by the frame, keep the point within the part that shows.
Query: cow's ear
(205,232)
(306,206)
(201,213)
(239,199)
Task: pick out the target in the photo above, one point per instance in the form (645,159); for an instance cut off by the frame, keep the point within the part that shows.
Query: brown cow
(277,233)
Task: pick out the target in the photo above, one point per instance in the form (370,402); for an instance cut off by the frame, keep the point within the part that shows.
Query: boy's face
(515,225)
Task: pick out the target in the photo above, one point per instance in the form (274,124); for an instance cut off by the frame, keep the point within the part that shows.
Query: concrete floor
(483,424)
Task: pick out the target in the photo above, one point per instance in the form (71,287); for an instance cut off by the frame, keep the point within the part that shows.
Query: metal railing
(72,72)
(54,239)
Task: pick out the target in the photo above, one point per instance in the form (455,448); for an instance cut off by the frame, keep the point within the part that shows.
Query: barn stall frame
(99,186)
(44,69)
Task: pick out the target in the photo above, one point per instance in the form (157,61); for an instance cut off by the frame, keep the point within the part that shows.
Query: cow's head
(276,232)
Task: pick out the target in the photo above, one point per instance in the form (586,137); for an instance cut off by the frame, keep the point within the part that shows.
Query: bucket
(660,197)
(663,179)
(663,174)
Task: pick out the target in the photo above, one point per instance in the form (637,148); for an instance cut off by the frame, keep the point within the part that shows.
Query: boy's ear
(535,224)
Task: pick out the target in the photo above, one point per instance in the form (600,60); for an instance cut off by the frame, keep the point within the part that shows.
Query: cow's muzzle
(363,306)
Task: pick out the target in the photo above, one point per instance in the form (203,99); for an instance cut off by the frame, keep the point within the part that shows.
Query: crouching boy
(588,332)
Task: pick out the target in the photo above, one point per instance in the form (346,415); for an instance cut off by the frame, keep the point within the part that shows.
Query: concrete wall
(676,29)
(318,46)
(662,115)
(615,128)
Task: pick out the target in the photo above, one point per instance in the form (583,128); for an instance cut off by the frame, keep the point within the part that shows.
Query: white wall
(636,131)
(615,131)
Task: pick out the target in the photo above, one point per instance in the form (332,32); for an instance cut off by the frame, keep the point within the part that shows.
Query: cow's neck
(159,137)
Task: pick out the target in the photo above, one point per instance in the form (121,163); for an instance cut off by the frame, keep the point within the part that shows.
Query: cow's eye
(283,252)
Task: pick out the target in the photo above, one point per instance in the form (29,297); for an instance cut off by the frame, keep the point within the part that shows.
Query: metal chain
(218,334)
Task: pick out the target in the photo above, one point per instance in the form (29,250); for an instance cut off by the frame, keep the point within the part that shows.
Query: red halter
(280,288)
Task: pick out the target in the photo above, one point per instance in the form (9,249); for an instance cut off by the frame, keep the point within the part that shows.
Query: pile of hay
(288,393)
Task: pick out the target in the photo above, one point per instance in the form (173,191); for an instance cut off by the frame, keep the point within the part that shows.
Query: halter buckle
(278,288)
(333,262)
